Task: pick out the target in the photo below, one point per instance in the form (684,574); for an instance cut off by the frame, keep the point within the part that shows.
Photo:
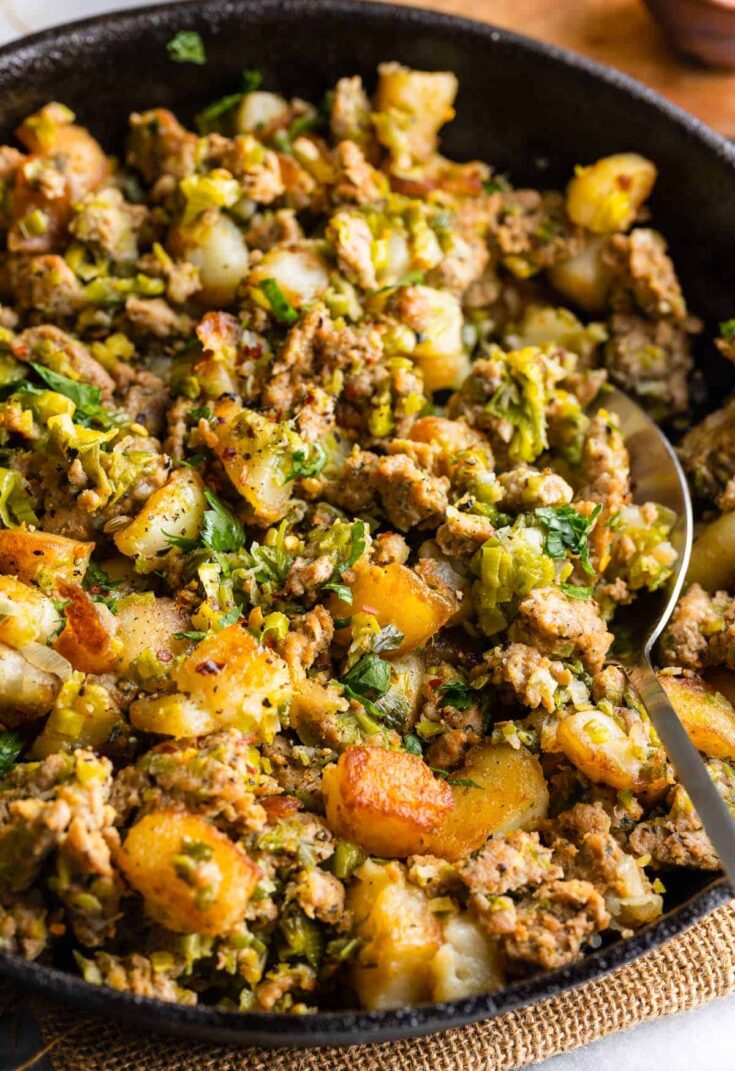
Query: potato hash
(314,531)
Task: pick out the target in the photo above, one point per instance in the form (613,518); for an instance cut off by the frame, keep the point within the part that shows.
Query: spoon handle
(691,771)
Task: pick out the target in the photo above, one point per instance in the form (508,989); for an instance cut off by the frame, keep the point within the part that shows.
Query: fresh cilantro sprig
(187,46)
(221,531)
(568,530)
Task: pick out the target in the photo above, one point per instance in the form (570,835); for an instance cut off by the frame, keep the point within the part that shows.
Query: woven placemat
(689,970)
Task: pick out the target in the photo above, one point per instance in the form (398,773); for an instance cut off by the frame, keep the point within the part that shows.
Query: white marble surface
(705,1037)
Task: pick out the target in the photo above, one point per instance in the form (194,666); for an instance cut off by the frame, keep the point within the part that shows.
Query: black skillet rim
(338,1027)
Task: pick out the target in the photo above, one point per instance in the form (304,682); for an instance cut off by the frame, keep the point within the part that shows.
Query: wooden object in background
(620,33)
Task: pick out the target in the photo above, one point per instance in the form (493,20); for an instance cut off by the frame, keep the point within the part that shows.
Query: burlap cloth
(689,970)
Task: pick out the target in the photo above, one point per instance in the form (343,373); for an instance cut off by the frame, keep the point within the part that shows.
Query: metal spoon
(657,476)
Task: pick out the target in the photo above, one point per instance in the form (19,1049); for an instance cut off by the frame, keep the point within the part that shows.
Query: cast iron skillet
(530,109)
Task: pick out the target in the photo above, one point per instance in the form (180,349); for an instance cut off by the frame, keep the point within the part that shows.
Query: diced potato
(411,108)
(712,563)
(88,639)
(312,711)
(705,713)
(228,680)
(257,455)
(301,273)
(468,963)
(175,509)
(385,801)
(146,623)
(396,596)
(215,245)
(172,715)
(84,715)
(435,317)
(595,743)
(25,691)
(259,110)
(512,795)
(607,195)
(26,616)
(43,558)
(193,879)
(400,938)
(585,278)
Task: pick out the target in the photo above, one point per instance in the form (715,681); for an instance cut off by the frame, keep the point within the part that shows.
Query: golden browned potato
(607,195)
(26,615)
(88,639)
(193,879)
(385,801)
(598,746)
(435,318)
(148,623)
(585,278)
(175,509)
(215,245)
(410,109)
(400,938)
(300,272)
(705,713)
(395,595)
(228,680)
(257,455)
(712,563)
(511,793)
(43,558)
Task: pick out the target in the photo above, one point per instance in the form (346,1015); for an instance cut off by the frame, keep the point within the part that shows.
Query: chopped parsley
(187,47)
(221,531)
(568,530)
(368,680)
(86,398)
(281,307)
(412,745)
(11,745)
(304,465)
(456,694)
(100,586)
(191,634)
(358,543)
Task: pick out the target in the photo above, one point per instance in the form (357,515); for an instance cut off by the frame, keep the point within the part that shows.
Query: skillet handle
(691,771)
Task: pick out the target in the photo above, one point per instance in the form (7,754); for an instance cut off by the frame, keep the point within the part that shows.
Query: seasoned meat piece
(650,359)
(308,639)
(532,231)
(140,975)
(562,627)
(350,116)
(23,929)
(143,396)
(462,533)
(677,839)
(549,928)
(320,895)
(507,864)
(154,316)
(159,145)
(701,631)
(645,275)
(532,677)
(605,464)
(409,496)
(526,488)
(44,282)
(707,452)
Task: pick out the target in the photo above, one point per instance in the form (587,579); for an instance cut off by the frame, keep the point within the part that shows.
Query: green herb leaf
(11,745)
(575,591)
(202,412)
(192,461)
(304,465)
(187,47)
(457,694)
(281,307)
(191,634)
(388,639)
(85,397)
(342,622)
(100,586)
(230,617)
(412,745)
(568,530)
(357,546)
(369,677)
(221,531)
(727,329)
(181,542)
(207,117)
(463,782)
(341,590)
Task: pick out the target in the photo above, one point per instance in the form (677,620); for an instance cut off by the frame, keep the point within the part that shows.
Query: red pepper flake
(228,453)
(164,656)
(436,681)
(210,668)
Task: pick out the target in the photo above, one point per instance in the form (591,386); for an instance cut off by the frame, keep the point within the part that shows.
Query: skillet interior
(528,108)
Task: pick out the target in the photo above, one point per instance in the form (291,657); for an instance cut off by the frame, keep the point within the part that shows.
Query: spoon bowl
(657,476)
